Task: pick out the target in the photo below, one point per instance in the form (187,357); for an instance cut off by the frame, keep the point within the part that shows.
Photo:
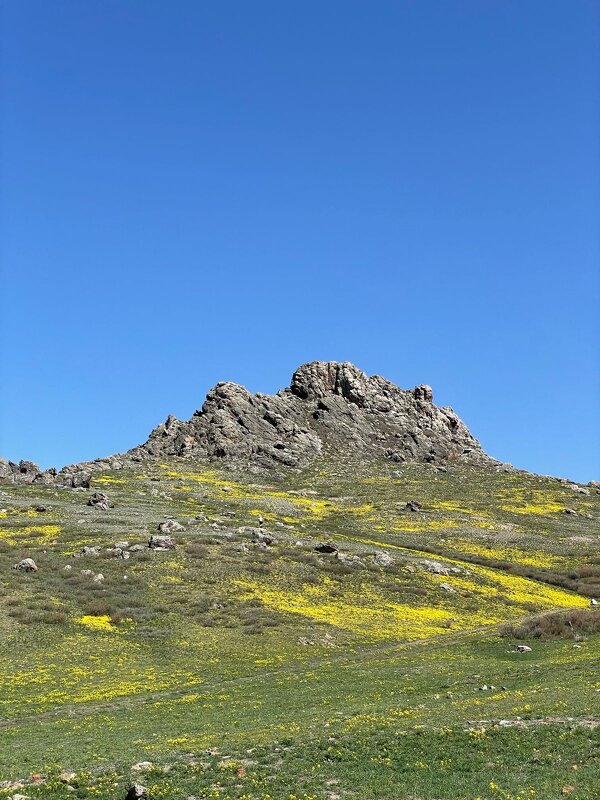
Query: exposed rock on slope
(327,404)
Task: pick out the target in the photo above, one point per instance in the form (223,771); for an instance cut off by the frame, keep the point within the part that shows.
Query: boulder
(170,526)
(100,501)
(77,480)
(89,551)
(136,792)
(26,565)
(161,542)
(325,547)
(383,559)
(578,489)
(262,537)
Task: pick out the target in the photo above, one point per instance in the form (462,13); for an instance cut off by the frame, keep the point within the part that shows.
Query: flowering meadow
(251,662)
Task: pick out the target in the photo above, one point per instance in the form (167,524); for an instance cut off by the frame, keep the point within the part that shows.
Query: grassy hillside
(246,669)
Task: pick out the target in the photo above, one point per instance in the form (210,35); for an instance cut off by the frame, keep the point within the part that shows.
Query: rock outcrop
(328,406)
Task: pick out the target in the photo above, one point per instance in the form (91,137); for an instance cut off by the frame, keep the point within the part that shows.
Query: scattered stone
(100,501)
(383,559)
(347,558)
(142,766)
(26,565)
(89,550)
(161,542)
(447,588)
(523,648)
(412,505)
(579,489)
(325,547)
(262,537)
(136,792)
(438,568)
(121,545)
(78,480)
(67,777)
(136,548)
(394,455)
(42,509)
(99,578)
(67,568)
(117,552)
(569,511)
(170,526)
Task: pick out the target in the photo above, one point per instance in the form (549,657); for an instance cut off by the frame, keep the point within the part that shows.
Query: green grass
(312,676)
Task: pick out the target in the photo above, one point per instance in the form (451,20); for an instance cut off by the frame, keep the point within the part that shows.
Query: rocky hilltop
(327,405)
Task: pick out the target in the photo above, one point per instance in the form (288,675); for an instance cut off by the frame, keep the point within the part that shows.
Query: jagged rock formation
(327,405)
(25,472)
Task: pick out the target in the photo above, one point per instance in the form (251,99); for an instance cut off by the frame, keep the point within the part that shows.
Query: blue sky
(204,191)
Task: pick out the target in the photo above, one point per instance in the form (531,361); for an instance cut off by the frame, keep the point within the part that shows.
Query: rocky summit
(327,405)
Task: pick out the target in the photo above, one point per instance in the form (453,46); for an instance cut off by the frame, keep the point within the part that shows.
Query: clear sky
(203,191)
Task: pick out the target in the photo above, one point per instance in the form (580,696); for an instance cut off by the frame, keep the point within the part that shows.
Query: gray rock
(100,501)
(325,547)
(578,489)
(436,567)
(259,535)
(89,550)
(161,542)
(383,559)
(136,548)
(327,403)
(170,526)
(26,565)
(136,792)
(76,478)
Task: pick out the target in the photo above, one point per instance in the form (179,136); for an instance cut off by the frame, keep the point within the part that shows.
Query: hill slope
(325,629)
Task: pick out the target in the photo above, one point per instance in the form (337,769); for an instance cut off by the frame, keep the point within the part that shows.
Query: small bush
(557,625)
